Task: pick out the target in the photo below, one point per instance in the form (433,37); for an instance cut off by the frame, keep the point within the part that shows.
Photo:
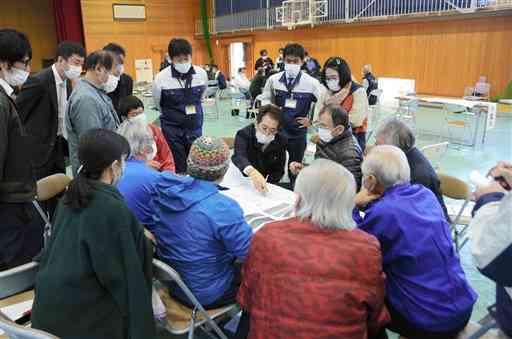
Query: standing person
(177,92)
(370,84)
(42,105)
(219,77)
(280,61)
(124,86)
(311,66)
(89,105)
(97,263)
(132,108)
(166,62)
(337,77)
(264,62)
(21,232)
(241,82)
(294,92)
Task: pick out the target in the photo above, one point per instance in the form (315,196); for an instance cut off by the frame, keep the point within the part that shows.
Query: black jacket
(423,173)
(344,150)
(38,110)
(372,85)
(265,63)
(248,152)
(17,183)
(124,88)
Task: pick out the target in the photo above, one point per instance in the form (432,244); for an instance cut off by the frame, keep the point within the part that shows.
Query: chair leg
(192,324)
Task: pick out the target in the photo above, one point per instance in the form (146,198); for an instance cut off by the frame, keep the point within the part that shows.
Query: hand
(364,197)
(259,182)
(493,187)
(502,169)
(295,167)
(153,164)
(304,122)
(315,139)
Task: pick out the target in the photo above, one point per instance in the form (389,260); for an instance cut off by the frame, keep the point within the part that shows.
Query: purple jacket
(425,282)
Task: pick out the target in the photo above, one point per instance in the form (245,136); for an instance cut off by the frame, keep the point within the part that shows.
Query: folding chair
(180,318)
(435,153)
(15,331)
(457,189)
(407,110)
(460,127)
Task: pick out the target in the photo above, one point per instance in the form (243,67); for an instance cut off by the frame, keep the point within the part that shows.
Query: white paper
(16,311)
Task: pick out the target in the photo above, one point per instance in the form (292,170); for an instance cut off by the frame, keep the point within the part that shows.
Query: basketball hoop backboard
(301,12)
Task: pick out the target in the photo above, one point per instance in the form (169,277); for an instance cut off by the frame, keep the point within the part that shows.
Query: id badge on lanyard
(189,109)
(290,103)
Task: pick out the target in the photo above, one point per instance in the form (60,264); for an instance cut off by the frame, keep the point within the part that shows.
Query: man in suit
(125,85)
(42,104)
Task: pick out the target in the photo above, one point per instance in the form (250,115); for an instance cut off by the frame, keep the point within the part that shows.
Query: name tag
(190,109)
(290,103)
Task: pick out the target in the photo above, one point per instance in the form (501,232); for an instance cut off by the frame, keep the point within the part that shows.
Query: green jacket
(94,277)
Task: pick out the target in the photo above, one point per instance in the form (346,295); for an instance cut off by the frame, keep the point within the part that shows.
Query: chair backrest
(17,279)
(16,331)
(454,188)
(434,153)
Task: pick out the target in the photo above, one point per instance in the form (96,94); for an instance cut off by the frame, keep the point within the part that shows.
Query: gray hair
(327,191)
(139,136)
(397,133)
(388,164)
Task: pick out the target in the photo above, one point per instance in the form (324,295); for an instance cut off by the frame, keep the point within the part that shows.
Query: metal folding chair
(407,110)
(457,189)
(460,127)
(435,153)
(181,319)
(15,331)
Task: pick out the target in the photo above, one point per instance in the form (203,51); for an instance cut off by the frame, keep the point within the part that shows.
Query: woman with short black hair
(93,280)
(260,150)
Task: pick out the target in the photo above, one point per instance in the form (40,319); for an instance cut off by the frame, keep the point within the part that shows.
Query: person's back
(200,233)
(425,281)
(310,284)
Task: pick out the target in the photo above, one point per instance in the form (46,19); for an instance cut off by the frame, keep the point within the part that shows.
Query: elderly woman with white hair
(427,293)
(315,275)
(395,132)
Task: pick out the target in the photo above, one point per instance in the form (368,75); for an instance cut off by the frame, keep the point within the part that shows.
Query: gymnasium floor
(458,162)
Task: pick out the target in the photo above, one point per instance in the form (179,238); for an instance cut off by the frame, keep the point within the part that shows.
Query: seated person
(395,132)
(315,275)
(131,108)
(219,77)
(491,239)
(241,82)
(336,142)
(91,281)
(427,293)
(200,232)
(260,151)
(257,84)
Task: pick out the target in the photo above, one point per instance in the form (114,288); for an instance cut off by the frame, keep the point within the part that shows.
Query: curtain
(68,20)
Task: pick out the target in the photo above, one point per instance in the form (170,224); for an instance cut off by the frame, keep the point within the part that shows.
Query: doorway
(236,57)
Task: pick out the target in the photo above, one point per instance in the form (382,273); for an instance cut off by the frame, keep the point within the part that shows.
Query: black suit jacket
(124,88)
(38,110)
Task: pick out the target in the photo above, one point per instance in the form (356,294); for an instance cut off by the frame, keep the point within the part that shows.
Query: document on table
(16,311)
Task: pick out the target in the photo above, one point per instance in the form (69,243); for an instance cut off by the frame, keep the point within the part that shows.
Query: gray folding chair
(181,319)
(17,279)
(15,331)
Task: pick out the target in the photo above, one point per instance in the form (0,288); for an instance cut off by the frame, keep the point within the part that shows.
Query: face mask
(183,68)
(141,118)
(292,70)
(118,172)
(73,72)
(333,85)
(16,77)
(264,139)
(325,134)
(265,57)
(152,155)
(111,84)
(120,69)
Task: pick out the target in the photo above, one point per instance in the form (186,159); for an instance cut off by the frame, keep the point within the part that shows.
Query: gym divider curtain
(68,20)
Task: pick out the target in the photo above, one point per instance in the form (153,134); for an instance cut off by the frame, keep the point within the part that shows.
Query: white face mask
(183,68)
(325,134)
(16,77)
(334,85)
(111,84)
(73,72)
(141,118)
(152,155)
(120,69)
(263,138)
(291,70)
(118,172)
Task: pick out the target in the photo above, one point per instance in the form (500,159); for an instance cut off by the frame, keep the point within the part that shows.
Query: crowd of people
(368,248)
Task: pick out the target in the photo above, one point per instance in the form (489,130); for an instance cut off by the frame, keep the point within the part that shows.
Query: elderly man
(370,84)
(394,132)
(492,238)
(200,232)
(336,142)
(426,290)
(297,267)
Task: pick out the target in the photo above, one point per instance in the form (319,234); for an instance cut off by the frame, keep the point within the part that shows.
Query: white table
(258,208)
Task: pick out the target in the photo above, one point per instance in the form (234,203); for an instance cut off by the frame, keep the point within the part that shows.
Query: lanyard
(291,86)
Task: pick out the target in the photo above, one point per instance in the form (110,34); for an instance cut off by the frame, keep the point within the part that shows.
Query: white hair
(388,164)
(139,136)
(326,193)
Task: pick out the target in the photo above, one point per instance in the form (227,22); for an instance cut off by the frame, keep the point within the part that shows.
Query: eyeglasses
(267,130)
